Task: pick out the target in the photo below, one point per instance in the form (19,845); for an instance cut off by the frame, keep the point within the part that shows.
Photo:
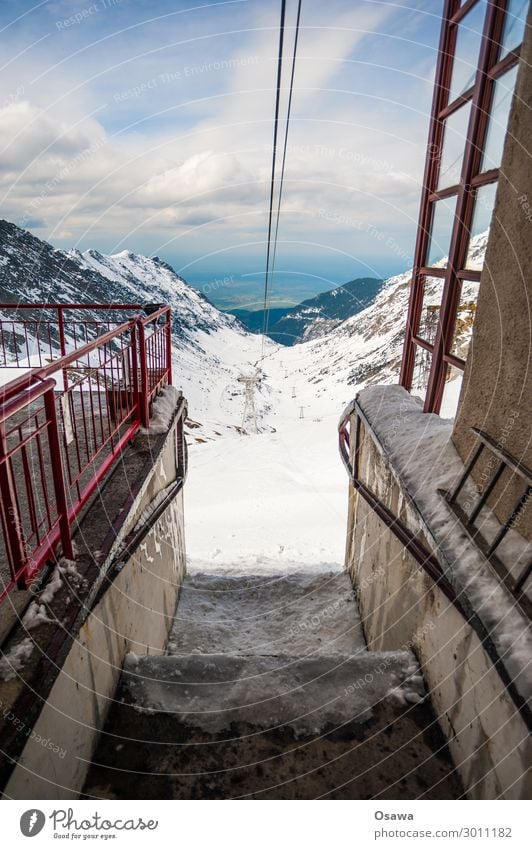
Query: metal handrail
(47,327)
(24,381)
(98,415)
(426,560)
(509,465)
(47,305)
(408,539)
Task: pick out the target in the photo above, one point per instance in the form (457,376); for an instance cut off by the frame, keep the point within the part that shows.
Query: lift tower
(251,382)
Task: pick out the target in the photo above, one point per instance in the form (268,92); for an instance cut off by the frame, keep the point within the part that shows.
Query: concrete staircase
(268,691)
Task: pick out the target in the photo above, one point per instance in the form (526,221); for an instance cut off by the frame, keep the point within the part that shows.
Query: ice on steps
(307,696)
(268,691)
(302,615)
(269,651)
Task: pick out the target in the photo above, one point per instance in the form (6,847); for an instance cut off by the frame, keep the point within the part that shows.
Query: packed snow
(268,500)
(425,459)
(13,661)
(286,484)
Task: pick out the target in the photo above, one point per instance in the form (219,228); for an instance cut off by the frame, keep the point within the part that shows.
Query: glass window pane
(420,379)
(440,231)
(430,312)
(483,211)
(466,51)
(498,121)
(465,318)
(514,26)
(454,137)
(451,392)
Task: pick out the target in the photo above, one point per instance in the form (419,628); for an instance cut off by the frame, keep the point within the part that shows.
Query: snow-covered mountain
(367,348)
(276,500)
(315,316)
(212,349)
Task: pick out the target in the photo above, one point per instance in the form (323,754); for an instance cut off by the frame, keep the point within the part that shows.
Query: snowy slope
(210,348)
(275,499)
(366,348)
(271,502)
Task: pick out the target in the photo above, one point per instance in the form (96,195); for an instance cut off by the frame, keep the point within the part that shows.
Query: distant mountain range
(254,319)
(212,350)
(316,316)
(32,271)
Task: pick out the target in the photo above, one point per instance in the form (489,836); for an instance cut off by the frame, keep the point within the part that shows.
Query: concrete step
(296,615)
(306,695)
(267,691)
(221,726)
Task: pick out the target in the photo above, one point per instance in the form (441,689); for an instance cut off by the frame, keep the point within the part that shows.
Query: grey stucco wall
(402,608)
(134,613)
(497,389)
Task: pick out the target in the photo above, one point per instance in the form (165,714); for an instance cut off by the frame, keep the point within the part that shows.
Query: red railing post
(144,387)
(58,474)
(134,377)
(61,325)
(169,346)
(62,342)
(15,545)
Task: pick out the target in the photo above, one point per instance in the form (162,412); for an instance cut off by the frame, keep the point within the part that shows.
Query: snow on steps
(309,695)
(226,727)
(269,651)
(269,691)
(289,614)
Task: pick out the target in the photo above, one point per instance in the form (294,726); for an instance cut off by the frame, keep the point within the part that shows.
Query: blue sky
(148,126)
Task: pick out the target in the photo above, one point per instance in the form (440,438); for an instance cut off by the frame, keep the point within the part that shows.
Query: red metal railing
(62,427)
(36,334)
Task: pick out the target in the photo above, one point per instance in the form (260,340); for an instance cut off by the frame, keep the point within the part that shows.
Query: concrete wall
(497,389)
(133,613)
(401,607)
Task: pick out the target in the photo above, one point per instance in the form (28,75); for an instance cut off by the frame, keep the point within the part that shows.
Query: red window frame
(480,95)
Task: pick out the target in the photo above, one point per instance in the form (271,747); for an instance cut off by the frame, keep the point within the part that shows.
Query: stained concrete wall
(402,607)
(133,613)
(497,389)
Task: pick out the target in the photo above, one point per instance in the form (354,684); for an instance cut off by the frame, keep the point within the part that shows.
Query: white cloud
(190,154)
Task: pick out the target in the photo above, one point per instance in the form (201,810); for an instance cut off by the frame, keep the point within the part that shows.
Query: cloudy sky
(147,125)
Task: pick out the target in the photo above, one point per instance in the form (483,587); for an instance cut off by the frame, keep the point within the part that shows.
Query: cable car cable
(274,152)
(281,179)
